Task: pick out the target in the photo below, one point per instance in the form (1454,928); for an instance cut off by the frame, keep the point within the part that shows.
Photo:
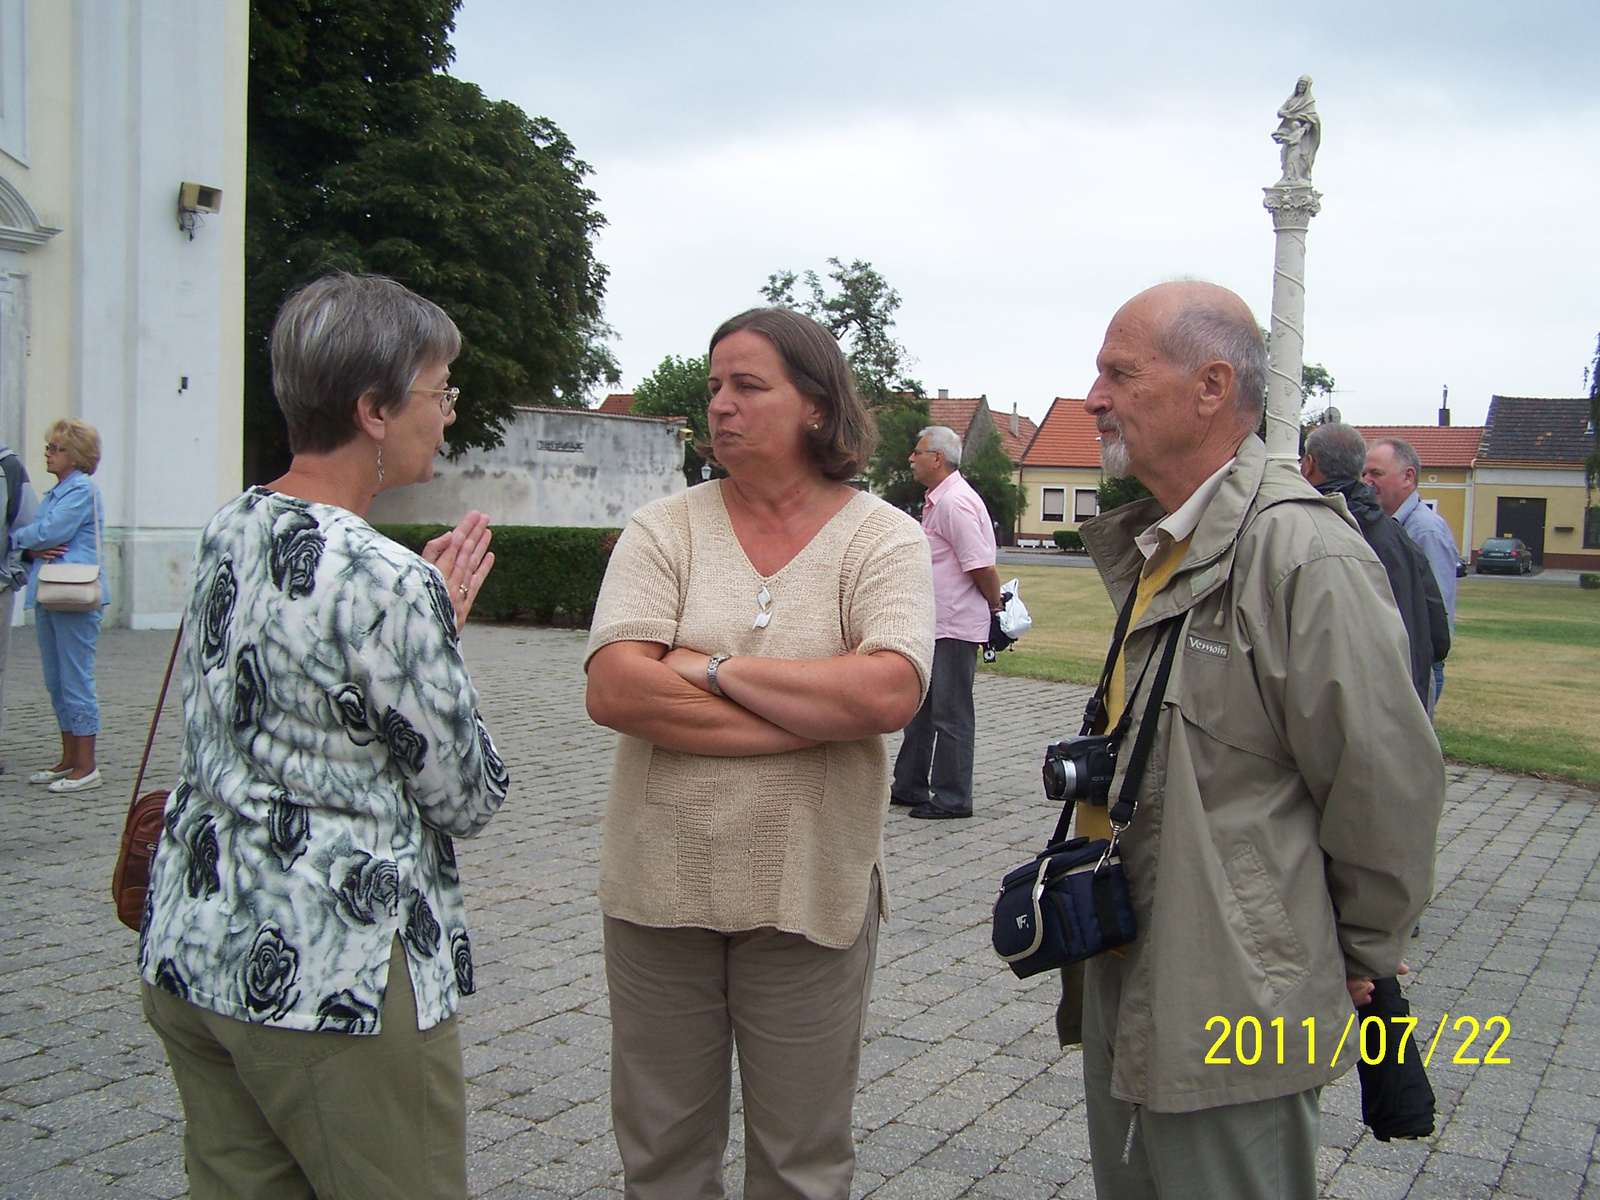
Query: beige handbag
(74,587)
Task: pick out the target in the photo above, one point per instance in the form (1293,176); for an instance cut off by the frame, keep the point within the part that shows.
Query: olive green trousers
(282,1114)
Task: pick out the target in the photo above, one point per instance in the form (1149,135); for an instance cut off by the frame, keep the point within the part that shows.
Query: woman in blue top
(68,528)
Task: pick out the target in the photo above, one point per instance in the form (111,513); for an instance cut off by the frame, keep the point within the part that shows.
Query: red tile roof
(954,413)
(1014,444)
(1067,438)
(1436,445)
(617,402)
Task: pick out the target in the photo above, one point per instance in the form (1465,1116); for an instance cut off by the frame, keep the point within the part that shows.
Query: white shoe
(48,776)
(91,780)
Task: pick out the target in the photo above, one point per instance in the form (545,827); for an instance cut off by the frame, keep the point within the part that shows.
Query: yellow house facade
(1059,473)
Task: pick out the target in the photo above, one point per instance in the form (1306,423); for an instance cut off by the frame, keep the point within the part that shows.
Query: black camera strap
(1092,711)
(1128,798)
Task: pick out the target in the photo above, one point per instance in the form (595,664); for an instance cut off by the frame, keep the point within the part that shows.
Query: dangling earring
(380,465)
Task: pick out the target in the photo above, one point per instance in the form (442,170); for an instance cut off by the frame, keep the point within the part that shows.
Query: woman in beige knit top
(754,640)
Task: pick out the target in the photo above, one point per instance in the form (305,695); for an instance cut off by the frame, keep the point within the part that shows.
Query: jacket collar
(1254,484)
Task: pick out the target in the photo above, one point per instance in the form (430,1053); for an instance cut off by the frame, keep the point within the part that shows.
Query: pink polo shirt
(961,539)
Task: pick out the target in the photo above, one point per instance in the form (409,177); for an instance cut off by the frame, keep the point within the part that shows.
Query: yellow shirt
(1094,820)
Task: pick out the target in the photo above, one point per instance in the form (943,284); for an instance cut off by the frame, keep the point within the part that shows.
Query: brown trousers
(681,1000)
(282,1114)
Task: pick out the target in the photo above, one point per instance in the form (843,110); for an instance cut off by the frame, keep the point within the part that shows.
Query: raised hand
(463,558)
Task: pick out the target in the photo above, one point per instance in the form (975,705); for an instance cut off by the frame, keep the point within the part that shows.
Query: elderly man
(1283,841)
(1392,470)
(933,772)
(1332,463)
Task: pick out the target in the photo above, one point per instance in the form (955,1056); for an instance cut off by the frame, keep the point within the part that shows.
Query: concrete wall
(556,466)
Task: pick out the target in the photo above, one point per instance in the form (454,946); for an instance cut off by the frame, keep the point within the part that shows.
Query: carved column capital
(1292,206)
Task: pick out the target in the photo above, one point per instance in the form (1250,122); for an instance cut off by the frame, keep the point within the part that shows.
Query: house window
(1053,504)
(1084,504)
(1431,505)
(1591,529)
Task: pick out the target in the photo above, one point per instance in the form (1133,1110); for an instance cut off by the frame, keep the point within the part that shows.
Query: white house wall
(567,467)
(158,337)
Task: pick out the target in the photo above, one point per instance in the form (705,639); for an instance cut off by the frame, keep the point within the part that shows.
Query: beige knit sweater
(782,840)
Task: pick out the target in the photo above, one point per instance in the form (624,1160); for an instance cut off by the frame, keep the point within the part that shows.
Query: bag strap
(155,719)
(1092,710)
(1065,820)
(1128,798)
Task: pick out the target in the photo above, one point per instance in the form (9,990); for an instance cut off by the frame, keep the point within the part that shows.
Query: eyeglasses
(916,452)
(447,397)
(52,448)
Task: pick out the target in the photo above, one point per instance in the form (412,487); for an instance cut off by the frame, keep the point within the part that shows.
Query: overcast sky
(1017,170)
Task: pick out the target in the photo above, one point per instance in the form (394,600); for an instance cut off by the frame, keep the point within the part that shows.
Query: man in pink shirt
(933,773)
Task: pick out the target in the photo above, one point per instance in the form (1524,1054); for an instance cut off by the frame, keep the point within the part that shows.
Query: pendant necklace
(764,616)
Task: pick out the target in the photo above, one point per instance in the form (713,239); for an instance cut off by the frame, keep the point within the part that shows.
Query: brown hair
(80,440)
(817,367)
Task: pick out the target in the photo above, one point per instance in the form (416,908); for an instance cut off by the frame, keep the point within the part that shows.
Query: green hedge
(1589,580)
(540,573)
(1069,540)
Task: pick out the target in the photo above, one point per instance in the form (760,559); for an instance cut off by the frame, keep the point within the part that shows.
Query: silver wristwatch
(715,661)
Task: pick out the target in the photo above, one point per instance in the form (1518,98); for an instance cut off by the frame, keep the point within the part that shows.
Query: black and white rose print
(297,544)
(331,747)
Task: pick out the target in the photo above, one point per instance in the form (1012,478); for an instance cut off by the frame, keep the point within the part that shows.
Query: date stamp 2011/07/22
(1246,1041)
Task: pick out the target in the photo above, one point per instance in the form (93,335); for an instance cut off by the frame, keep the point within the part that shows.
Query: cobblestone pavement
(963,1091)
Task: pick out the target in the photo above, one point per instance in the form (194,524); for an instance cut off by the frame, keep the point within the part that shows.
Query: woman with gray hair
(304,947)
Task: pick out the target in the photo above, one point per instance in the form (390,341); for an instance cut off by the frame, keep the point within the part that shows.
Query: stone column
(1292,202)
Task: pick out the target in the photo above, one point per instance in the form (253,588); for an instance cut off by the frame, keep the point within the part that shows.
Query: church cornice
(20,227)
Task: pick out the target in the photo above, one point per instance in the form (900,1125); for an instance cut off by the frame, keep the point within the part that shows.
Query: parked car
(1461,567)
(1505,554)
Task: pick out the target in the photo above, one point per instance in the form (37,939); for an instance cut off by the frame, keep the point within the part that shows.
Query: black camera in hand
(1080,768)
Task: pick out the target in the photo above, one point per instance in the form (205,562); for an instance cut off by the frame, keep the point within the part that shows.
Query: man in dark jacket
(1332,462)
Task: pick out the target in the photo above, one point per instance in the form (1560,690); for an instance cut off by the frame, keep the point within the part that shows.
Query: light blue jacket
(66,517)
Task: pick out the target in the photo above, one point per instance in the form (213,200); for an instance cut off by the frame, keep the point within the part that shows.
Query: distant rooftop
(1067,438)
(1537,430)
(1436,445)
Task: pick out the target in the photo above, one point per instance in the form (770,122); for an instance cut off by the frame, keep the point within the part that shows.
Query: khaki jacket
(1285,832)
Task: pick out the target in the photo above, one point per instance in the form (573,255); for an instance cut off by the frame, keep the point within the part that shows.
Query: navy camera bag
(1064,906)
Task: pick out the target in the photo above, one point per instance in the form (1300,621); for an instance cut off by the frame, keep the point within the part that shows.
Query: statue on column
(1299,132)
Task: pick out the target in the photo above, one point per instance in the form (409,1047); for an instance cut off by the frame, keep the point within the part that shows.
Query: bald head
(1192,323)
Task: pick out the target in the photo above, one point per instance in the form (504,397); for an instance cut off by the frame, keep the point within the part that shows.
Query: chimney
(1444,408)
(944,393)
(1015,428)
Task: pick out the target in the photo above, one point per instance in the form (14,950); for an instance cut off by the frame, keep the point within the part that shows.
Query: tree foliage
(364,156)
(1120,490)
(900,419)
(860,312)
(677,388)
(994,477)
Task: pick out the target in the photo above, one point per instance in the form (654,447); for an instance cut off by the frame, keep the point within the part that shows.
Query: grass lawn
(1522,685)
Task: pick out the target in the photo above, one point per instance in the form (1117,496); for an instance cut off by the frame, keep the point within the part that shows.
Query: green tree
(677,388)
(860,312)
(1119,490)
(1592,466)
(994,477)
(900,419)
(363,155)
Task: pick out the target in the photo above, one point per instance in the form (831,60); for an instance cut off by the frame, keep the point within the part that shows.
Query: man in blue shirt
(1392,471)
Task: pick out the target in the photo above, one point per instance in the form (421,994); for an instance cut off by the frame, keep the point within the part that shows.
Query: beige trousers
(281,1114)
(681,1000)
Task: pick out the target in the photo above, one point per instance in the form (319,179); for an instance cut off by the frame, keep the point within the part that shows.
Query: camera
(1080,768)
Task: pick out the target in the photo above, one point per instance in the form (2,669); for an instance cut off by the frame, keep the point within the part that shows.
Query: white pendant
(764,598)
(763,618)
(761,621)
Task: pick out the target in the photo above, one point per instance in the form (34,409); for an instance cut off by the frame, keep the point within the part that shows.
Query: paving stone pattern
(963,1090)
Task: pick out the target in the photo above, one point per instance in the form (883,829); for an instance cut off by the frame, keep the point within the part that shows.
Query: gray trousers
(1264,1150)
(682,1000)
(8,605)
(934,765)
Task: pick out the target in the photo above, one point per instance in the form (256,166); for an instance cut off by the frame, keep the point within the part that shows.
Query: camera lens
(1060,778)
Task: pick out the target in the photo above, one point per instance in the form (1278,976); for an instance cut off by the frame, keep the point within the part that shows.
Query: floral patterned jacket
(331,749)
